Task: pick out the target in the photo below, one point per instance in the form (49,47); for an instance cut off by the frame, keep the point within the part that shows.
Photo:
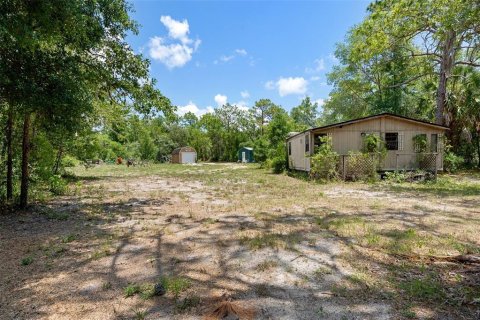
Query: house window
(391,140)
(289,148)
(420,142)
(434,143)
(307,144)
(317,140)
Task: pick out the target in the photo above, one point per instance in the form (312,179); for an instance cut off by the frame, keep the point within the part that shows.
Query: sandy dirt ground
(227,235)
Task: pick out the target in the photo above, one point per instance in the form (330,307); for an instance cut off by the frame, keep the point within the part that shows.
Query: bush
(278,164)
(451,162)
(69,162)
(325,161)
(57,185)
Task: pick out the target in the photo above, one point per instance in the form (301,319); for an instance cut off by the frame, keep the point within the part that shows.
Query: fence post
(343,167)
(435,164)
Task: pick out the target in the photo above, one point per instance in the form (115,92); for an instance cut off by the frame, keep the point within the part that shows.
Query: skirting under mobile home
(397,132)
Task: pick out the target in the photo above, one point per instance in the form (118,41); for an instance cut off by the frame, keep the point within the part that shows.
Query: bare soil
(279,246)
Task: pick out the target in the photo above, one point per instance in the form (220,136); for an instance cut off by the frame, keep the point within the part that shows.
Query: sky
(206,53)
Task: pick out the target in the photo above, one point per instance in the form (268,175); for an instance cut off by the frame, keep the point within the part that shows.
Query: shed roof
(380,115)
(248,148)
(183,149)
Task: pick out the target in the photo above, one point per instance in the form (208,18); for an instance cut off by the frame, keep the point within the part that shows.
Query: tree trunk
(58,159)
(446,65)
(9,137)
(25,157)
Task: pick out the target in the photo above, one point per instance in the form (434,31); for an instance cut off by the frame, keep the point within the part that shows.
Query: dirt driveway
(278,247)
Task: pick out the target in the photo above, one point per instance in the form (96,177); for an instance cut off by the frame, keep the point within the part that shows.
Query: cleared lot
(279,247)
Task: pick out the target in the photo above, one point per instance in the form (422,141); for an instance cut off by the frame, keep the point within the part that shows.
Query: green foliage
(452,162)
(175,285)
(420,143)
(26,261)
(305,115)
(278,164)
(69,161)
(373,143)
(324,163)
(57,185)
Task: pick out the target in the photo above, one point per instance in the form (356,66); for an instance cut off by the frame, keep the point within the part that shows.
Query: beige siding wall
(299,159)
(348,138)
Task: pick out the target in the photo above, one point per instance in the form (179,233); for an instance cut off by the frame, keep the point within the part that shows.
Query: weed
(175,285)
(426,288)
(131,290)
(321,272)
(106,285)
(187,303)
(266,265)
(27,260)
(272,240)
(139,314)
(69,238)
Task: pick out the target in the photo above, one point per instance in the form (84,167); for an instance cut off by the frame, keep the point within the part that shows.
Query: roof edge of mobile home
(384,114)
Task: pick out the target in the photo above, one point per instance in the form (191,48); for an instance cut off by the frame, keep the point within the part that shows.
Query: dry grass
(237,229)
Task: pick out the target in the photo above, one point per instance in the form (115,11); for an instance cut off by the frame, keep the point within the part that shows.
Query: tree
(305,114)
(263,111)
(59,58)
(446,32)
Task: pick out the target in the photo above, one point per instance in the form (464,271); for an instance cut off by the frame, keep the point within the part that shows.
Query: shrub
(57,185)
(451,162)
(395,176)
(69,161)
(278,164)
(324,161)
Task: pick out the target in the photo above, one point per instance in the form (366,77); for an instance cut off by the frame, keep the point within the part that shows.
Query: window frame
(388,144)
(289,148)
(307,143)
(432,144)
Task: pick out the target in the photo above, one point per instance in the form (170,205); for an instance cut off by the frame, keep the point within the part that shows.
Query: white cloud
(286,86)
(242,105)
(176,29)
(220,99)
(226,58)
(168,50)
(314,78)
(241,52)
(320,102)
(193,108)
(269,85)
(319,65)
(245,94)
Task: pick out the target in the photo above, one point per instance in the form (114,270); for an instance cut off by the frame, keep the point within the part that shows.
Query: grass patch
(266,265)
(425,288)
(139,314)
(321,272)
(175,285)
(272,240)
(26,261)
(187,303)
(443,186)
(69,238)
(55,215)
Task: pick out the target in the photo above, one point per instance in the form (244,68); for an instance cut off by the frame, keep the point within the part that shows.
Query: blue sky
(205,53)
